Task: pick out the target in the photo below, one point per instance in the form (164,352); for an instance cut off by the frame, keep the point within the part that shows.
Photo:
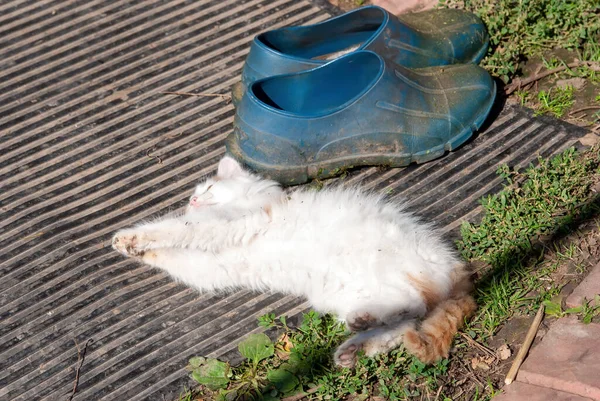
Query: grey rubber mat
(90,142)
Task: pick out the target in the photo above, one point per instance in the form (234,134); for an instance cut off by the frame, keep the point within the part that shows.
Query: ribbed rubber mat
(90,142)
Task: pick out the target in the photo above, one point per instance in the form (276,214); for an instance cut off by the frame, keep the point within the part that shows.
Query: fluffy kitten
(350,253)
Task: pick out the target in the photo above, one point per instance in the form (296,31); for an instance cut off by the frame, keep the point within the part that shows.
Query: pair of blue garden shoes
(364,88)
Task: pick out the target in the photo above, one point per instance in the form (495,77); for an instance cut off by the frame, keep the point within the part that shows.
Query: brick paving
(565,365)
(588,289)
(526,392)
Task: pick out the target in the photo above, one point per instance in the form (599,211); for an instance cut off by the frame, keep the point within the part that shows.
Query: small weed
(586,311)
(590,52)
(522,29)
(552,63)
(523,96)
(188,395)
(316,184)
(555,101)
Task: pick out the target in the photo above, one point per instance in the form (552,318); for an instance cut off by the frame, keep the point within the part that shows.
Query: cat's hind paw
(361,321)
(128,243)
(346,354)
(371,342)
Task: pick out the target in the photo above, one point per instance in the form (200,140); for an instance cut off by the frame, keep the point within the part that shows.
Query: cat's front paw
(128,243)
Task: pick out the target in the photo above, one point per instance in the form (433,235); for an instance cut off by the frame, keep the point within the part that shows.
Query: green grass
(555,101)
(534,202)
(521,29)
(537,205)
(589,52)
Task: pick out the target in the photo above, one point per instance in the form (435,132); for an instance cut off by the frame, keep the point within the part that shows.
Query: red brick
(567,359)
(526,392)
(588,288)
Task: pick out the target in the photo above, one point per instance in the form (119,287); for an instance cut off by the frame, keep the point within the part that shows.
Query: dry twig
(80,359)
(519,83)
(437,395)
(572,113)
(480,346)
(512,373)
(158,158)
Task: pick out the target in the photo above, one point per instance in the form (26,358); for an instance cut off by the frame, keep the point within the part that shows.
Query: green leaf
(552,308)
(213,374)
(283,380)
(256,347)
(196,361)
(227,395)
(576,309)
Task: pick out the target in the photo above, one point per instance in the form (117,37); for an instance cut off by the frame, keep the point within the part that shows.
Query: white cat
(350,253)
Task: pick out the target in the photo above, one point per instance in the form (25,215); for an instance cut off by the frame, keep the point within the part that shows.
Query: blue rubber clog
(425,39)
(357,110)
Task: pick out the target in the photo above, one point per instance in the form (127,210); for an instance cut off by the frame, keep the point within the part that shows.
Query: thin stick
(480,346)
(583,109)
(153,156)
(524,82)
(80,359)
(223,96)
(512,373)
(437,395)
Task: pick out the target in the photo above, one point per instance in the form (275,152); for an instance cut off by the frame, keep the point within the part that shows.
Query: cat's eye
(209,187)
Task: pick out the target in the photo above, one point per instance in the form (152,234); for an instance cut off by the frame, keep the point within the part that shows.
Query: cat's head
(233,186)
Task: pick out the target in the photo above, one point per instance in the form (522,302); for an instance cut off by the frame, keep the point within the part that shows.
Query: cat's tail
(432,340)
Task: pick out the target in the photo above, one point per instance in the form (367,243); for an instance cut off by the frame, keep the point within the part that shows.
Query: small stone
(503,352)
(589,139)
(481,363)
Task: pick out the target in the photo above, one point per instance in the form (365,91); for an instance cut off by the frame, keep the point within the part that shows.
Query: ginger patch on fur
(429,292)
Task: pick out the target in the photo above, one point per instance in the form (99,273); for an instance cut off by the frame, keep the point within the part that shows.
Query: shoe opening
(329,39)
(322,90)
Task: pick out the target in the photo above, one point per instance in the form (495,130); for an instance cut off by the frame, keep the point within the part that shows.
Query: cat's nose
(194,201)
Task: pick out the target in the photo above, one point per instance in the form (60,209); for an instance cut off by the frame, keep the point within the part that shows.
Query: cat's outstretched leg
(165,233)
(210,235)
(372,342)
(197,269)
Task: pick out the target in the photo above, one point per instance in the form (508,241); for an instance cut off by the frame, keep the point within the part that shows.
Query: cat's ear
(229,168)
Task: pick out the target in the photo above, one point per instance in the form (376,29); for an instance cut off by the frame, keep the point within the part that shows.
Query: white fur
(345,250)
